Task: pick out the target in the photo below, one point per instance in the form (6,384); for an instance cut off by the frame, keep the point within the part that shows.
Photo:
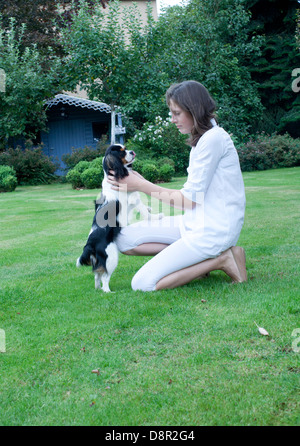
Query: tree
(39,17)
(272,70)
(112,62)
(208,41)
(132,66)
(27,85)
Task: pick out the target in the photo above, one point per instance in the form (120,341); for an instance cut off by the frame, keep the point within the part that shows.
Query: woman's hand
(130,183)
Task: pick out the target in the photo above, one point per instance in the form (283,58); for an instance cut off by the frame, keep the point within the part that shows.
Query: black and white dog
(113,210)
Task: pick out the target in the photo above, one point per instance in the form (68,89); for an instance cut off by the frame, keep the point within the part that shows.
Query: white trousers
(173,258)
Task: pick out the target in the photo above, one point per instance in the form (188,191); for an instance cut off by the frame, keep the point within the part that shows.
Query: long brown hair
(194,98)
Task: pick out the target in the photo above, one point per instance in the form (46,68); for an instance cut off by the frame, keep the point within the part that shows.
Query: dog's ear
(114,162)
(120,170)
(110,162)
(106,164)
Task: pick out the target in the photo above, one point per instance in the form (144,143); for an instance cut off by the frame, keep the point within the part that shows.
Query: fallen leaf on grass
(97,371)
(262,330)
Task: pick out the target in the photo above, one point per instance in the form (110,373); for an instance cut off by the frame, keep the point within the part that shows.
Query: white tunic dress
(215,183)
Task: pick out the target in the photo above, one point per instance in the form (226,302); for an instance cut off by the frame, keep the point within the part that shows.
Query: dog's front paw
(78,264)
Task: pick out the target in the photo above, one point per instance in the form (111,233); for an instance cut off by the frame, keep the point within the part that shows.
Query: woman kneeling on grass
(203,239)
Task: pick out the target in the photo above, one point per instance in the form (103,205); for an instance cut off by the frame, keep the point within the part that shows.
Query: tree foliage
(132,66)
(113,63)
(27,85)
(207,41)
(243,56)
(277,21)
(40,16)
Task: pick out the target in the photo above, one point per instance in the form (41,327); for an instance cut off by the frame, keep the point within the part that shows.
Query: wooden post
(113,125)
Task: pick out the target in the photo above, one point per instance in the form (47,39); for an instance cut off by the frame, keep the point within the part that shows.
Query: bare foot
(240,259)
(234,264)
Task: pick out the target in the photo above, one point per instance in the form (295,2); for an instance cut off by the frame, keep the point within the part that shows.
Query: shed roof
(78,102)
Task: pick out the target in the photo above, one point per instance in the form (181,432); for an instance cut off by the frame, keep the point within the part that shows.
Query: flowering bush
(269,152)
(161,139)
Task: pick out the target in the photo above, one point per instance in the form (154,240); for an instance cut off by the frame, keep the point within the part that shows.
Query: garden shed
(75,122)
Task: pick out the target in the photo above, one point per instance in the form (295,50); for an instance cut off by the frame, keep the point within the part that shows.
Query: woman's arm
(135,182)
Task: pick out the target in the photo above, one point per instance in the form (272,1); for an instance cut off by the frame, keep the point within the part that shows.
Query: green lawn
(191,356)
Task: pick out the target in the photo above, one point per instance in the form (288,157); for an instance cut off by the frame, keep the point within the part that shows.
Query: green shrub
(92,178)
(73,177)
(8,179)
(150,172)
(82,166)
(97,162)
(31,165)
(86,174)
(166,160)
(161,169)
(138,165)
(166,172)
(90,174)
(269,152)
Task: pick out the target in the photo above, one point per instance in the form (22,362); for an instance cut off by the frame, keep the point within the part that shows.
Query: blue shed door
(63,136)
